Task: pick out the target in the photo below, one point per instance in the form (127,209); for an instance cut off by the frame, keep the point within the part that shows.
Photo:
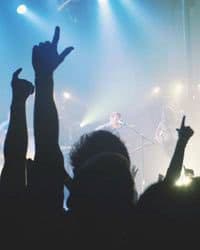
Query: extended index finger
(56,36)
(183,122)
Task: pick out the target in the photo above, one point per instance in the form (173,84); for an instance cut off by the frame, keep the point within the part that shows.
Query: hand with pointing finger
(176,164)
(45,56)
(184,132)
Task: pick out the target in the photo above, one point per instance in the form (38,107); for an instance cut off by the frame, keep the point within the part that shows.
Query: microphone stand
(143,144)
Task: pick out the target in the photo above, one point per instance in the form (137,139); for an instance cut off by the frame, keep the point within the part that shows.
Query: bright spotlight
(104,5)
(82,125)
(156,90)
(67,95)
(21,9)
(179,87)
(102,1)
(183,181)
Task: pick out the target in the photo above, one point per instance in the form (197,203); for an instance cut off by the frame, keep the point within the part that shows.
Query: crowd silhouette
(104,210)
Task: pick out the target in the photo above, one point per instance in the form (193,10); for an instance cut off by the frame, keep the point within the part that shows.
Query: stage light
(82,125)
(67,95)
(21,9)
(156,90)
(102,1)
(86,121)
(177,90)
(104,6)
(178,87)
(184,180)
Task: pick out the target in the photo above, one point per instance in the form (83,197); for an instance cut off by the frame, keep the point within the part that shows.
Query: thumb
(16,73)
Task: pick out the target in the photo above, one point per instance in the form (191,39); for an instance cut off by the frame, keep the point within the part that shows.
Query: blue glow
(123,49)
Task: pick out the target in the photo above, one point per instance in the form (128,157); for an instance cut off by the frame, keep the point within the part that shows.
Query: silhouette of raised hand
(48,156)
(16,141)
(175,167)
(21,88)
(45,57)
(184,132)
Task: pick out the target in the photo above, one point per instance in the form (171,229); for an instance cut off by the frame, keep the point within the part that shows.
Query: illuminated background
(131,56)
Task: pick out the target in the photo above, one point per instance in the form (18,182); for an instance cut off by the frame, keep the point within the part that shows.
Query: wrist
(43,75)
(17,104)
(18,100)
(44,84)
(43,80)
(183,140)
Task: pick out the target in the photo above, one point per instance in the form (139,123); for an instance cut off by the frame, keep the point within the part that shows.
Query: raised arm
(175,167)
(45,60)
(49,160)
(15,146)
